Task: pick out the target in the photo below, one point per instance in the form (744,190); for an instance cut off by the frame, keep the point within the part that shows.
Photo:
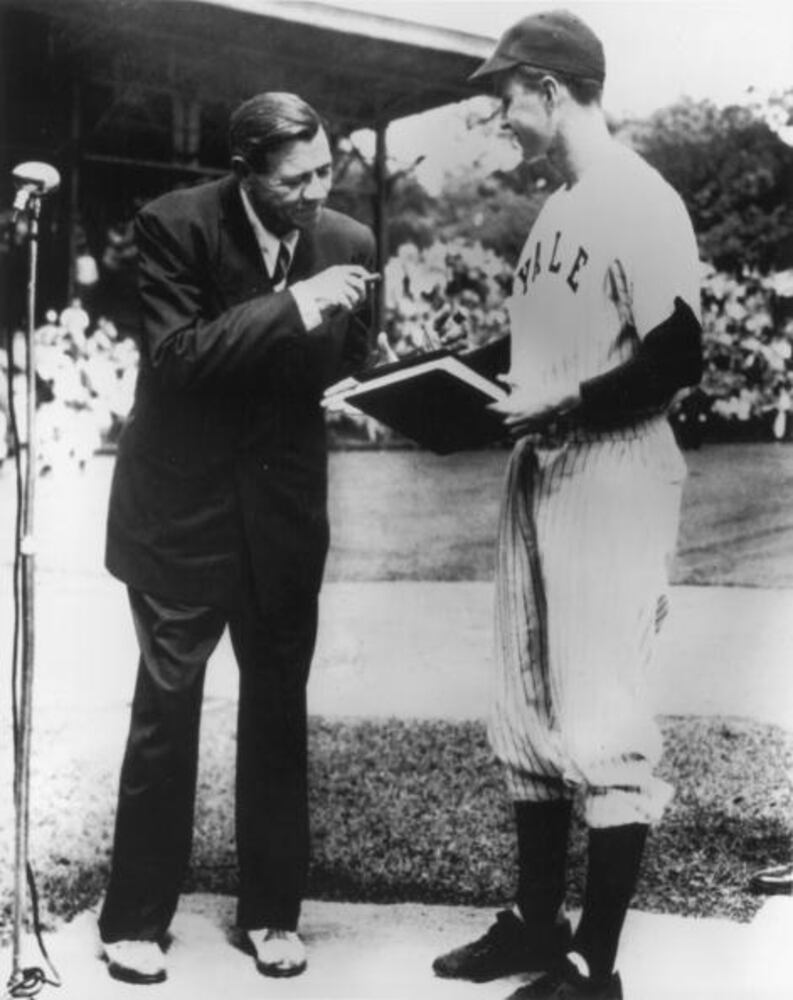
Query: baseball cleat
(569,984)
(506,948)
(777,880)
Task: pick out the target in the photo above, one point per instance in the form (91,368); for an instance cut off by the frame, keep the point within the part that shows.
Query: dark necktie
(281,265)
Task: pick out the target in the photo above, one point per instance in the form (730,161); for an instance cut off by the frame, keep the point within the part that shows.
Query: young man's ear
(549,87)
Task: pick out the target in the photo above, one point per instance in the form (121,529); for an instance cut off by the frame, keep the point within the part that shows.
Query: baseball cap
(552,40)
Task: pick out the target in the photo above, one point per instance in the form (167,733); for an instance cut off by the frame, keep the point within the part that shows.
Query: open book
(439,399)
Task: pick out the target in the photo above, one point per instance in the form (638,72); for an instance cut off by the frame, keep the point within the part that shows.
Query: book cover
(439,400)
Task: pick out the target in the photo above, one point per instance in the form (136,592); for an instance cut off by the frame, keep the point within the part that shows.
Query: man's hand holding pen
(343,286)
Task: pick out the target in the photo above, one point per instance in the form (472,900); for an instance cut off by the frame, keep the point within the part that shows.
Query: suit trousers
(154,820)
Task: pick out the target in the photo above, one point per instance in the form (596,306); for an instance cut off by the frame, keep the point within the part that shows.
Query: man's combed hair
(266,123)
(583,90)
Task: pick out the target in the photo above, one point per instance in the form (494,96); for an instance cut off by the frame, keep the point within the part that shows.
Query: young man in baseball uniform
(605,329)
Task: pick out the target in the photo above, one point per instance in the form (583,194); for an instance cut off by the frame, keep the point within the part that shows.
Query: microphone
(32,180)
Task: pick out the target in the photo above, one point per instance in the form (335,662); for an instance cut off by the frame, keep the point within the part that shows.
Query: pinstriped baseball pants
(586,534)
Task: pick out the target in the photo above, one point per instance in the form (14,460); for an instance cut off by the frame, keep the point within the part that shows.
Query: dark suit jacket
(223,457)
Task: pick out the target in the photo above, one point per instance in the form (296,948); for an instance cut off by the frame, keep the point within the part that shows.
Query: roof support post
(380,220)
(73,210)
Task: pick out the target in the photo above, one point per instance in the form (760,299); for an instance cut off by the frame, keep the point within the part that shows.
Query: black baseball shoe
(567,983)
(506,948)
(774,881)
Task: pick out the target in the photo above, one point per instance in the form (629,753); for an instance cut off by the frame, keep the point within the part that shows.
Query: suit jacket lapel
(241,270)
(305,259)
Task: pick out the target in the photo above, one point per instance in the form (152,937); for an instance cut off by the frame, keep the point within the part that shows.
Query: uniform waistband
(568,430)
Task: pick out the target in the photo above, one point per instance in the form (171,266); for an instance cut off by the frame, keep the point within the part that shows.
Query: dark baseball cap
(553,40)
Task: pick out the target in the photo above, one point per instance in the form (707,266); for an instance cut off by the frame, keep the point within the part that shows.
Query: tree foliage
(492,212)
(494,199)
(478,203)
(735,175)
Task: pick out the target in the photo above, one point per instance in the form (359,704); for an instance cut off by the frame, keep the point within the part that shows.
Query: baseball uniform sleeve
(668,358)
(660,266)
(661,259)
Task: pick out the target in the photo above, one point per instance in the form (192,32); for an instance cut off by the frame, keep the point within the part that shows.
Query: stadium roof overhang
(359,69)
(181,65)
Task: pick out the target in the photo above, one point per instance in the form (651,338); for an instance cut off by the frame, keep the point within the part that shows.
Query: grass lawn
(415,811)
(416,516)
(409,515)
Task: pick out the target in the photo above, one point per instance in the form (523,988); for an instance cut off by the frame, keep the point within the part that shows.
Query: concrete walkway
(367,951)
(419,650)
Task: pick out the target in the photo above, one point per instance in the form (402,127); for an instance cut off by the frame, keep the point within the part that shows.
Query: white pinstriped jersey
(617,246)
(587,529)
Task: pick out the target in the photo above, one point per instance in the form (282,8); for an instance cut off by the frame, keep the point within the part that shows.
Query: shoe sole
(501,973)
(279,971)
(773,889)
(519,965)
(126,975)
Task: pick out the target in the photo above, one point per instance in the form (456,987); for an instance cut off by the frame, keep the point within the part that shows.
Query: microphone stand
(22,741)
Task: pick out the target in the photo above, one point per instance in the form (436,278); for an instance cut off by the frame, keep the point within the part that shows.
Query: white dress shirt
(269,245)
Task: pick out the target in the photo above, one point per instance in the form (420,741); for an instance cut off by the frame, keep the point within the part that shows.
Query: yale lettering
(523,275)
(537,262)
(532,267)
(556,265)
(580,259)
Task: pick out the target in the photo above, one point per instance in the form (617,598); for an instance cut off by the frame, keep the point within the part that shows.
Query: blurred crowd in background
(85,382)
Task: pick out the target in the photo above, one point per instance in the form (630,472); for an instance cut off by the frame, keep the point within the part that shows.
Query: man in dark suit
(254,300)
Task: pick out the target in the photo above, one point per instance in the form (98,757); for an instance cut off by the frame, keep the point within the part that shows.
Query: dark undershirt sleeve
(668,359)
